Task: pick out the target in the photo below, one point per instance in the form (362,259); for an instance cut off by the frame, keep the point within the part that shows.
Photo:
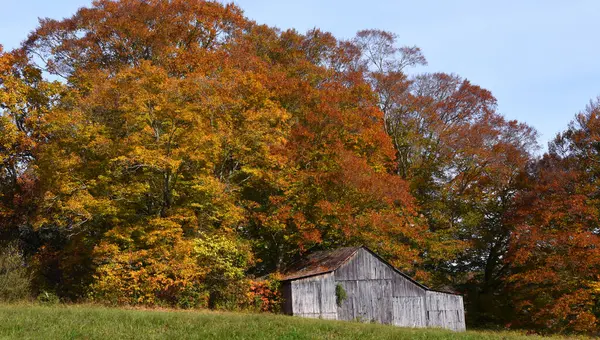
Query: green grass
(27,321)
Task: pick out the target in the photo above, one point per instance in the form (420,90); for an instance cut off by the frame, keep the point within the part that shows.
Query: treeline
(171,152)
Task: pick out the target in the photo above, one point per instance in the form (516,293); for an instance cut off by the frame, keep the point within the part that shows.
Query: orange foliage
(264,295)
(554,250)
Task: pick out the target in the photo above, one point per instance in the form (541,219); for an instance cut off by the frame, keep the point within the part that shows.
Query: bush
(48,298)
(223,261)
(15,279)
(264,295)
(157,276)
(340,294)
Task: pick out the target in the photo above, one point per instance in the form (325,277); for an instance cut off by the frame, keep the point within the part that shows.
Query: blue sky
(540,58)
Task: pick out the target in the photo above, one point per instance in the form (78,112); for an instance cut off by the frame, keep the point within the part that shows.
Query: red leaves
(264,295)
(554,251)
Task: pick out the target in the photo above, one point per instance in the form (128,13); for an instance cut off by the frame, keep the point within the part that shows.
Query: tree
(25,99)
(554,251)
(464,162)
(334,189)
(185,129)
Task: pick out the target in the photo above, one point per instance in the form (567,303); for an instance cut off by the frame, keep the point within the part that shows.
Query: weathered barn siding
(376,292)
(368,285)
(364,266)
(367,301)
(406,288)
(445,310)
(409,311)
(314,297)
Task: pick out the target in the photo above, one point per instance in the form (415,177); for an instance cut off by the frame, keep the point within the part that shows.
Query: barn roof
(327,261)
(319,262)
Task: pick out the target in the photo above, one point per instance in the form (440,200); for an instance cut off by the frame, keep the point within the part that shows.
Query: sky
(539,58)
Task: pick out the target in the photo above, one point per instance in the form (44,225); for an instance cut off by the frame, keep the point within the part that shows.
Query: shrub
(158,276)
(264,295)
(15,279)
(173,271)
(223,261)
(48,298)
(340,294)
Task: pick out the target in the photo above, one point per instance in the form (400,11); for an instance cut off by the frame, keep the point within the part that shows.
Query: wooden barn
(356,284)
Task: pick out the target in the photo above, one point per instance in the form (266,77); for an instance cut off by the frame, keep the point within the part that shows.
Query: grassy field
(92,322)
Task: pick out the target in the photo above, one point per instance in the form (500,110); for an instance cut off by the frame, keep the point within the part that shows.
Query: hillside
(91,322)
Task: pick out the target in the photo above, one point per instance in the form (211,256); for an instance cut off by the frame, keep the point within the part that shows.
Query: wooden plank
(405,288)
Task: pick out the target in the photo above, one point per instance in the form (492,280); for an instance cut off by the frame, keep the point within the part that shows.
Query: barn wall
(368,284)
(409,311)
(408,303)
(376,292)
(445,311)
(367,301)
(405,288)
(314,297)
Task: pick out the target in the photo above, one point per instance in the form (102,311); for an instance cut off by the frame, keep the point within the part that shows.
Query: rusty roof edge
(294,278)
(348,258)
(325,271)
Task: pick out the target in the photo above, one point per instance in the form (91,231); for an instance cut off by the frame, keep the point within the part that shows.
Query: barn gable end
(379,292)
(376,292)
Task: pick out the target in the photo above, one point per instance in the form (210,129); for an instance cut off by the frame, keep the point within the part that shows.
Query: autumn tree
(145,145)
(25,99)
(335,189)
(554,281)
(185,130)
(464,161)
